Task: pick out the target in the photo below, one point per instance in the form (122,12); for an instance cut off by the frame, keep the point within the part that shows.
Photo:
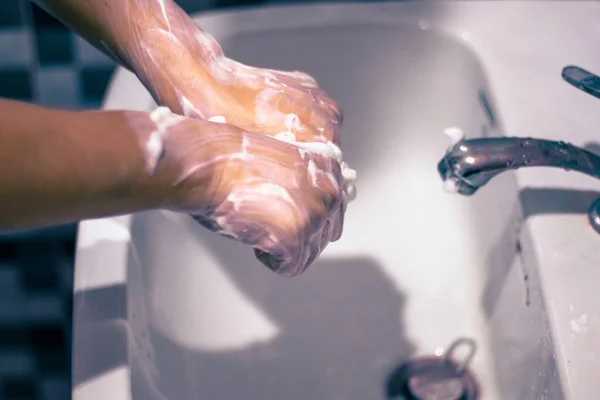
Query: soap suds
(154,148)
(163,9)
(455,134)
(450,186)
(327,149)
(579,325)
(286,137)
(312,171)
(292,122)
(164,119)
(218,118)
(188,108)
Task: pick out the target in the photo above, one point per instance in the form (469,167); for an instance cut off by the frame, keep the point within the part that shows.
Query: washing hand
(186,70)
(225,177)
(277,178)
(305,191)
(261,100)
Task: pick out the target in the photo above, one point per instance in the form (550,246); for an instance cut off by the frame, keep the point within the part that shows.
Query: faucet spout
(471,163)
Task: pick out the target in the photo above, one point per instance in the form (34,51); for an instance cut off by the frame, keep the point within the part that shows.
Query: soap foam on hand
(327,149)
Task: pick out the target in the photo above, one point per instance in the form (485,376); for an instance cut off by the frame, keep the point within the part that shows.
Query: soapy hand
(263,100)
(278,178)
(187,71)
(282,188)
(286,202)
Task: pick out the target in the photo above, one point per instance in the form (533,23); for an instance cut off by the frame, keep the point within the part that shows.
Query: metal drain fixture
(436,377)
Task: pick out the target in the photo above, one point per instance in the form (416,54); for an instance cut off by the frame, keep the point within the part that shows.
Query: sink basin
(167,310)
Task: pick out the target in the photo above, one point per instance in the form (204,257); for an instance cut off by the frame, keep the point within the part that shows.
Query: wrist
(184,160)
(152,174)
(193,85)
(129,175)
(83,165)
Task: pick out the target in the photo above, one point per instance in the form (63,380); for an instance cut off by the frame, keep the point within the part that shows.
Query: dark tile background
(42,62)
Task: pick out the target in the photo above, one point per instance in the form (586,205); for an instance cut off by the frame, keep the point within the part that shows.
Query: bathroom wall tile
(66,273)
(15,83)
(56,87)
(8,253)
(15,48)
(46,308)
(94,81)
(88,55)
(50,349)
(54,42)
(37,266)
(55,389)
(238,3)
(54,46)
(41,18)
(11,313)
(9,283)
(10,13)
(17,363)
(53,361)
(13,337)
(20,388)
(194,6)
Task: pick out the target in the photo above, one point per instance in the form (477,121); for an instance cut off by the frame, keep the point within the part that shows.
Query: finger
(268,260)
(323,124)
(336,217)
(303,245)
(278,234)
(320,119)
(272,250)
(319,242)
(315,252)
(310,117)
(318,233)
(295,78)
(282,258)
(329,192)
(326,175)
(289,110)
(338,222)
(326,233)
(321,99)
(274,230)
(206,223)
(271,260)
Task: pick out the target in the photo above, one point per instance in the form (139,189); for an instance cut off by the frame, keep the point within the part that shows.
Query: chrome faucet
(471,163)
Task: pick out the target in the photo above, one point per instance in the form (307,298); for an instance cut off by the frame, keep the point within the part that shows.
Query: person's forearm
(146,36)
(114,26)
(62,166)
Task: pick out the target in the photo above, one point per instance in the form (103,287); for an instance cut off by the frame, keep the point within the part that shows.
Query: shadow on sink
(334,345)
(538,201)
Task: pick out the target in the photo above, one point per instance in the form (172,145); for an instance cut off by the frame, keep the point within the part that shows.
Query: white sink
(167,310)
